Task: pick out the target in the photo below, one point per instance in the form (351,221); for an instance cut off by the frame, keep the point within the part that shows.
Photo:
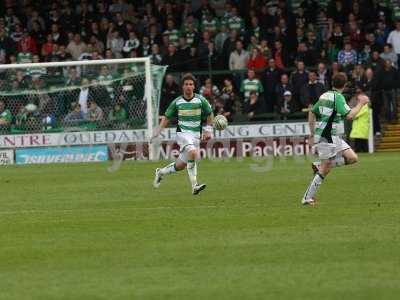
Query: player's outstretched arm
(163,124)
(362,100)
(311,122)
(208,129)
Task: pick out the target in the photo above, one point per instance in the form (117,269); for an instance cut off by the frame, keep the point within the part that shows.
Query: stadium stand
(293,46)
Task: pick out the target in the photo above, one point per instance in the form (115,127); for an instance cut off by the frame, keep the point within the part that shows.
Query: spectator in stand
(356,37)
(131,43)
(369,86)
(394,40)
(183,53)
(371,41)
(299,78)
(169,92)
(386,84)
(47,48)
(356,76)
(281,56)
(24,56)
(265,50)
(220,39)
(210,24)
(285,105)
(58,37)
(171,59)
(209,91)
(5,117)
(310,92)
(251,84)
(282,87)
(229,97)
(235,22)
(76,47)
(206,52)
(254,43)
(7,45)
(257,60)
(271,79)
(83,97)
(37,34)
(17,34)
(95,113)
(97,44)
(224,108)
(172,32)
(254,29)
(117,115)
(347,57)
(337,36)
(252,105)
(323,76)
(375,61)
(364,55)
(115,42)
(37,72)
(75,116)
(303,54)
(238,61)
(229,47)
(389,54)
(155,56)
(145,47)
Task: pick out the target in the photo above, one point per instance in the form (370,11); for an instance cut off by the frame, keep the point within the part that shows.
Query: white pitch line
(42,211)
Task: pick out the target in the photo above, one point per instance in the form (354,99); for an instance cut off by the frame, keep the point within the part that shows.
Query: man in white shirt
(238,61)
(84,96)
(394,40)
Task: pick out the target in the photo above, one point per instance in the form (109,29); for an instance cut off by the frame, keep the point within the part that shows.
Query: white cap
(287,93)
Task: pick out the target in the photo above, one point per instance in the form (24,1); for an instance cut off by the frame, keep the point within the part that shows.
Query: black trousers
(361,145)
(377,104)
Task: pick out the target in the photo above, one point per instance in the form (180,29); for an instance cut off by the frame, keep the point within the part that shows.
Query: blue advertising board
(61,155)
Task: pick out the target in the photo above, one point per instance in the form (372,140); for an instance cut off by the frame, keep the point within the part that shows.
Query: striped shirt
(331,108)
(236,23)
(250,85)
(173,36)
(211,26)
(190,113)
(24,57)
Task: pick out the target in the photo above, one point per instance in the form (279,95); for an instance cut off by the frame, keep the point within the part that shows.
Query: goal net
(115,94)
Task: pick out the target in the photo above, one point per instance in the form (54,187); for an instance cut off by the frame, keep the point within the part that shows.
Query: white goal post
(144,77)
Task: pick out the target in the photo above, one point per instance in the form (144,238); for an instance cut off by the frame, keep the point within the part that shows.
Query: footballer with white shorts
(192,110)
(333,151)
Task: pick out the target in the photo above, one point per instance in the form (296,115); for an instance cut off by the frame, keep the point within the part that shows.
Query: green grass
(82,232)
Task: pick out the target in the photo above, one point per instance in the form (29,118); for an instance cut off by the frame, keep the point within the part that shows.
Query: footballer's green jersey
(190,113)
(330,109)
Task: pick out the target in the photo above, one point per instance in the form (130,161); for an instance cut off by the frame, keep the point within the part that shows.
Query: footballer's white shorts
(329,150)
(187,142)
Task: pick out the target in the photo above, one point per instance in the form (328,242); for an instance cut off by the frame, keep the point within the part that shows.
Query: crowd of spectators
(278,60)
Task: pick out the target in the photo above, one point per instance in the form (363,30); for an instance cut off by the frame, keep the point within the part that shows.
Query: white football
(220,122)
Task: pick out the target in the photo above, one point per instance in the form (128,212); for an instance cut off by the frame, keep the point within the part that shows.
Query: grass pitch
(83,232)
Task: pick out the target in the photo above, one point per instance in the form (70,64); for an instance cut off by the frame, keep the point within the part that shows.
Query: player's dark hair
(339,80)
(188,76)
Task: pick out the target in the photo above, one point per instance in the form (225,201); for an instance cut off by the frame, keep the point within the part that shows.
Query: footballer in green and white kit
(326,130)
(191,110)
